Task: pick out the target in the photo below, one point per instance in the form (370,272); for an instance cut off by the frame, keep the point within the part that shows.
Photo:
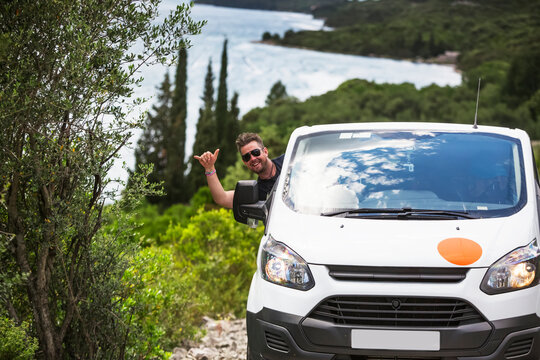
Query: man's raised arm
(220,196)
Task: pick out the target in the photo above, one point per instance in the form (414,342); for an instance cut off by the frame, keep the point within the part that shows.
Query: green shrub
(219,255)
(536,150)
(15,343)
(160,303)
(202,198)
(151,221)
(202,267)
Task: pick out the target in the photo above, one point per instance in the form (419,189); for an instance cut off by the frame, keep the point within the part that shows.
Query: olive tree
(68,72)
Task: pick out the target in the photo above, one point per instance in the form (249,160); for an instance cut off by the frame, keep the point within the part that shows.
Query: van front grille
(396,311)
(397,274)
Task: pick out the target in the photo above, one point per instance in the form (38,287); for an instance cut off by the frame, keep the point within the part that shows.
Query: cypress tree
(222,116)
(176,140)
(151,145)
(234,126)
(206,136)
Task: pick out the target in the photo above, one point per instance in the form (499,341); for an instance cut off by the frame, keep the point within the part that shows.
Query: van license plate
(395,340)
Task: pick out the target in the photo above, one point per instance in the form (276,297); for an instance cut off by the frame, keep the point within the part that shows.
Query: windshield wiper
(361,211)
(413,212)
(401,213)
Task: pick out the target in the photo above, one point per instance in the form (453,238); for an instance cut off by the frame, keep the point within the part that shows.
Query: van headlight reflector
(517,270)
(281,265)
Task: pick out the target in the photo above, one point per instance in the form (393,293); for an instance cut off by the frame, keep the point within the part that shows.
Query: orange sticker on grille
(460,251)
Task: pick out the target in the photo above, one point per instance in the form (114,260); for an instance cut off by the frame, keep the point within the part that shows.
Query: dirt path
(224,340)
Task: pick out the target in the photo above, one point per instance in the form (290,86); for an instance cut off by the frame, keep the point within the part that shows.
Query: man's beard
(263,166)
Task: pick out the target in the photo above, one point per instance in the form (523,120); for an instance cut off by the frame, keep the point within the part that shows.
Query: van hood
(411,243)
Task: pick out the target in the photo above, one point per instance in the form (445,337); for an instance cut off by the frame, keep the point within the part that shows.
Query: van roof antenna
(475,126)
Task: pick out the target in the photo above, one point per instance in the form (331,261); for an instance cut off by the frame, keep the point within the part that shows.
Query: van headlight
(517,270)
(281,265)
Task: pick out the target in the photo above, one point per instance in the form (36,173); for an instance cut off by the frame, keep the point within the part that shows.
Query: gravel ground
(224,340)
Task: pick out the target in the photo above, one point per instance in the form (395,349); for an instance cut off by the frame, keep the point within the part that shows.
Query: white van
(397,241)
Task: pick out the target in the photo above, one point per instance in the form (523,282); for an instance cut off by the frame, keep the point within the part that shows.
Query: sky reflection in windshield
(439,171)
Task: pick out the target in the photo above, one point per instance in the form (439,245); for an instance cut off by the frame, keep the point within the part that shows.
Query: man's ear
(265,151)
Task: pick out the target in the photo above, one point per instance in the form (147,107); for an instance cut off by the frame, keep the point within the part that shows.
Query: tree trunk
(38,295)
(37,284)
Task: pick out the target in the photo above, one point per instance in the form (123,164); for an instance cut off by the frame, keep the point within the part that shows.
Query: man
(255,157)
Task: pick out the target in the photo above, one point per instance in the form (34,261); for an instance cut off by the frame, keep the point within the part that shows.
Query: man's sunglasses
(254,152)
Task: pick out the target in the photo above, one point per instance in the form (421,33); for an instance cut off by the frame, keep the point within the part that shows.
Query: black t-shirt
(266,185)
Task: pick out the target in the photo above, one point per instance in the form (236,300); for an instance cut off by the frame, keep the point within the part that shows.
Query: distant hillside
(305,6)
(481,30)
(495,40)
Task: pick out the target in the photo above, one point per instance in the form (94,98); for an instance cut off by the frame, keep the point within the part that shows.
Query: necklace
(272,171)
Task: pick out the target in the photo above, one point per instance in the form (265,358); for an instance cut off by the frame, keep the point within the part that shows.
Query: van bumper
(274,335)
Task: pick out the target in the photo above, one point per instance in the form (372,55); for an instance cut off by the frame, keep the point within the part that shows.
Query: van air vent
(397,274)
(518,348)
(396,311)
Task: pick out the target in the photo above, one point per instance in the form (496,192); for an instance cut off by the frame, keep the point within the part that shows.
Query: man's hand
(208,160)
(220,196)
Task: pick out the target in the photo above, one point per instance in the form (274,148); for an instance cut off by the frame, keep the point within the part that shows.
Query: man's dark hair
(245,138)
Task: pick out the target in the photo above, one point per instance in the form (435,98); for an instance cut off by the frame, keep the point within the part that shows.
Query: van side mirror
(246,203)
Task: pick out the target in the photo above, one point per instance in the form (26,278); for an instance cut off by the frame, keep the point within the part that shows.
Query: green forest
(81,277)
(497,41)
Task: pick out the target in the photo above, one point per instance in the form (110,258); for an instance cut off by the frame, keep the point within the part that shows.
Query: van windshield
(474,173)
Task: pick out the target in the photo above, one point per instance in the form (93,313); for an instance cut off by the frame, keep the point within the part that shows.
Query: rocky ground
(224,340)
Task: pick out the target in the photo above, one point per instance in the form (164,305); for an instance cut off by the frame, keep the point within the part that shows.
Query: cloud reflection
(402,169)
